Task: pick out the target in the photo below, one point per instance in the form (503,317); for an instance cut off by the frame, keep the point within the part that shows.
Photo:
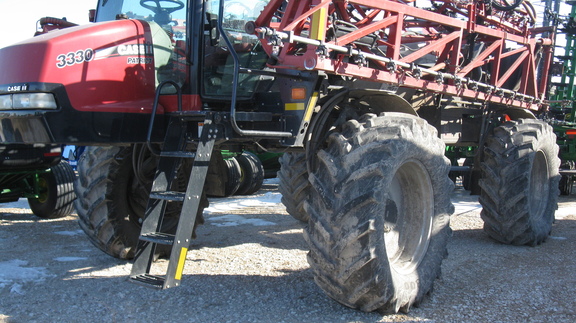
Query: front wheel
(112,197)
(56,196)
(519,185)
(379,211)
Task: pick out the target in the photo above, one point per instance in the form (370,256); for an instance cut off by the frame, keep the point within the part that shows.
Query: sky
(18,17)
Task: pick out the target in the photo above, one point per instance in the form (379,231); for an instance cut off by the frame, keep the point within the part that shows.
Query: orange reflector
(571,132)
(507,117)
(298,93)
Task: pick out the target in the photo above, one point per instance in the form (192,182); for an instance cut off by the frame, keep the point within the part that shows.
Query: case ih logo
(138,51)
(17,88)
(135,49)
(81,56)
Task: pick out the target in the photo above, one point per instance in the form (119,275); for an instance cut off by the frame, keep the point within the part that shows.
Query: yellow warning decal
(311,106)
(181,261)
(293,106)
(319,19)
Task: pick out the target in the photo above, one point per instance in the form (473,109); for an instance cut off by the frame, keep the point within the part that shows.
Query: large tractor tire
(294,185)
(112,198)
(519,185)
(56,198)
(379,212)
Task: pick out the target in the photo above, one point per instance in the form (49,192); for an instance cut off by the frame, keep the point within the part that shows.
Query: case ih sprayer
(364,96)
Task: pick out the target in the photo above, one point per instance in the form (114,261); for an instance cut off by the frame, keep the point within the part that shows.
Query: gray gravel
(249,265)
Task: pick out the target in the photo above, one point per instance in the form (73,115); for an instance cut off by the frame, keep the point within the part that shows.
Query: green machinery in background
(562,114)
(243,174)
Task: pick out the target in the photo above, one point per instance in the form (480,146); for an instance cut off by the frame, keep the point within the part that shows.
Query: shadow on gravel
(293,297)
(7,217)
(286,236)
(49,271)
(480,239)
(471,236)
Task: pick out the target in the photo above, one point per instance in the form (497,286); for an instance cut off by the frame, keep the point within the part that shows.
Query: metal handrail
(155,109)
(236,72)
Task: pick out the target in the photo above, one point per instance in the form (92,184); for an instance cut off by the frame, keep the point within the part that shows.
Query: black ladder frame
(172,156)
(151,234)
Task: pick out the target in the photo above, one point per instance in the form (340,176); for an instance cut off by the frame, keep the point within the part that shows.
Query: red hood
(101,65)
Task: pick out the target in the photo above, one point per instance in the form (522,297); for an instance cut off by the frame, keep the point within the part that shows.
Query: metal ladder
(171,158)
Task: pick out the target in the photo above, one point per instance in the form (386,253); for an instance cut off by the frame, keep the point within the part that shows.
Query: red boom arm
(463,49)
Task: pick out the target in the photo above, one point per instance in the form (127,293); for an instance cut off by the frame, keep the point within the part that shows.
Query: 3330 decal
(77,57)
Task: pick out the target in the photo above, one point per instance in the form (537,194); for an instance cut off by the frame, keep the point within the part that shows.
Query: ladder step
(175,143)
(158,237)
(459,168)
(189,115)
(178,154)
(148,280)
(168,196)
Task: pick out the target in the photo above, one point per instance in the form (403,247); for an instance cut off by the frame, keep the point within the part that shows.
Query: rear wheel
(252,172)
(567,181)
(234,175)
(519,185)
(379,212)
(56,196)
(294,185)
(112,198)
(467,176)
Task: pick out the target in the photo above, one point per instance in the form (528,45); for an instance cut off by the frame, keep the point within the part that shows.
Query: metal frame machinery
(562,104)
(362,96)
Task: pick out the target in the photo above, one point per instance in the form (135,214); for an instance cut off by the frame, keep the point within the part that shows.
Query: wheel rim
(408,217)
(43,190)
(539,188)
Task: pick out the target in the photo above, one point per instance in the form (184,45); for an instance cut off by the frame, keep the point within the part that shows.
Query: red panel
(106,66)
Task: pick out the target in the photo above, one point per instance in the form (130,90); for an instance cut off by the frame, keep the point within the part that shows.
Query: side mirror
(213,29)
(92,15)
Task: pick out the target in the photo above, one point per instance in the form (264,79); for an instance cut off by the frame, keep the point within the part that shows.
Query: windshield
(169,14)
(234,10)
(218,63)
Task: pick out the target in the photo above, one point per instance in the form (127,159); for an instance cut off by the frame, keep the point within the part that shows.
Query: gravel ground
(249,265)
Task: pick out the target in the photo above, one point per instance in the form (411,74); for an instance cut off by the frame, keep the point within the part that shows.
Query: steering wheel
(157,9)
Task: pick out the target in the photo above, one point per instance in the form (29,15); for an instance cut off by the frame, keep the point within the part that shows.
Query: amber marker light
(298,93)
